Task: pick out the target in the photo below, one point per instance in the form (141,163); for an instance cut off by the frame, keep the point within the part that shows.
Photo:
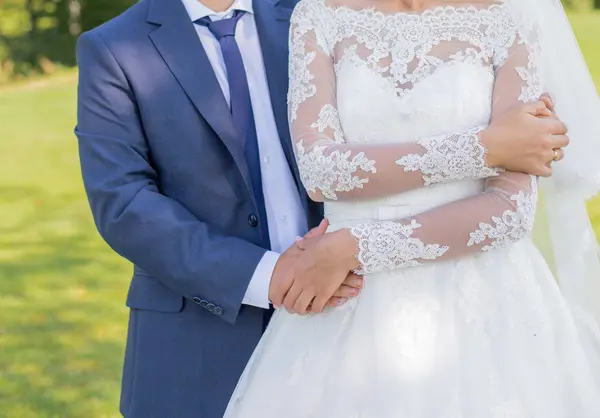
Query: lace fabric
(449,158)
(406,49)
(335,169)
(483,336)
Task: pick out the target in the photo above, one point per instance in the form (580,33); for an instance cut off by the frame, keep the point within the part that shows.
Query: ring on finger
(556,155)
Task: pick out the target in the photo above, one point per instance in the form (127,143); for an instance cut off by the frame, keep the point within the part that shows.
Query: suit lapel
(273,24)
(177,42)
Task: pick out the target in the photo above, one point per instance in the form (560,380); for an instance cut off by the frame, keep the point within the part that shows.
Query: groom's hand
(283,275)
(321,271)
(525,137)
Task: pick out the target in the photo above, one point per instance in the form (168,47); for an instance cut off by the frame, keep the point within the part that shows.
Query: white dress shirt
(285,214)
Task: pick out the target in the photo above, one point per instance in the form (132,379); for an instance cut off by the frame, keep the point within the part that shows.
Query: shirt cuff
(257,293)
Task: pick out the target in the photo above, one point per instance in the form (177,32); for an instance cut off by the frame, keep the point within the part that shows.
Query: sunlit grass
(62,316)
(62,290)
(587,29)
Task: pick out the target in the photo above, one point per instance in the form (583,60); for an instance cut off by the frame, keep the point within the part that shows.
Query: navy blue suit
(170,190)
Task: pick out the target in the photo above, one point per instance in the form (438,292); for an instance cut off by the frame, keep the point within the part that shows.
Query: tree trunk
(33,17)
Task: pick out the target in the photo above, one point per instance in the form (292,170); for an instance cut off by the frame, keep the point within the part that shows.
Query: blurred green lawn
(62,290)
(62,316)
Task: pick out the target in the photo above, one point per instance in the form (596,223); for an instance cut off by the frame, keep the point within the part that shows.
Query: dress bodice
(386,114)
(456,97)
(402,77)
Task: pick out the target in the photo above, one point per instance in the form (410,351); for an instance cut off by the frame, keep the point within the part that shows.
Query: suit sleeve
(149,229)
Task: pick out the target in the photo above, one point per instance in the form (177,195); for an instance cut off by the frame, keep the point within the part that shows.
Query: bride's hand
(283,275)
(524,138)
(349,289)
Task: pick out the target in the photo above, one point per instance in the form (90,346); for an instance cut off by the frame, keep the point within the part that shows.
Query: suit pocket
(148,293)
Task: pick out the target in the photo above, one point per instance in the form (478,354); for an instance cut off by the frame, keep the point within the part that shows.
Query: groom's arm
(151,230)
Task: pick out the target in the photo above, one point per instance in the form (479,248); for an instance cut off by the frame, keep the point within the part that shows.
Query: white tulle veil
(563,231)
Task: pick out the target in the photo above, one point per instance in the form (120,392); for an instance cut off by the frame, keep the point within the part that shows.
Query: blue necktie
(241,107)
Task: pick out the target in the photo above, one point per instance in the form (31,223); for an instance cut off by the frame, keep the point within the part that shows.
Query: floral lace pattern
(407,61)
(512,226)
(493,325)
(329,119)
(450,158)
(391,245)
(487,32)
(532,89)
(300,87)
(404,50)
(332,172)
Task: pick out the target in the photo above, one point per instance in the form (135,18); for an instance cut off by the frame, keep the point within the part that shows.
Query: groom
(189,170)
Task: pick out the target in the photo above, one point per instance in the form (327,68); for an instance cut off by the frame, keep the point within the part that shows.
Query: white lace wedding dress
(460,316)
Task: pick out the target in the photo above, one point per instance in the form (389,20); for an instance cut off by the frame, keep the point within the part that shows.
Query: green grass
(62,290)
(587,29)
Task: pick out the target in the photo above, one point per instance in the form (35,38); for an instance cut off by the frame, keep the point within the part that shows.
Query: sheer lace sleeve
(502,214)
(333,169)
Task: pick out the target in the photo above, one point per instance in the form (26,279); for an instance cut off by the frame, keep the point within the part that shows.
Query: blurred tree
(96,12)
(581,5)
(68,16)
(37,36)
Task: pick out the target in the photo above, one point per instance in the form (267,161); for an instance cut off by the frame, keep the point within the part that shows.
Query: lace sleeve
(502,214)
(333,169)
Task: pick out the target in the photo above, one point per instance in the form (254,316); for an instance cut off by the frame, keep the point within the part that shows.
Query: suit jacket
(170,190)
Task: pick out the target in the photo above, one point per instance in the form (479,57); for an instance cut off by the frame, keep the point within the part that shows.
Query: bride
(461,315)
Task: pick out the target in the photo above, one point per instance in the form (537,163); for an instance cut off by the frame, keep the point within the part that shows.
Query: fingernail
(299,239)
(358,282)
(354,292)
(342,301)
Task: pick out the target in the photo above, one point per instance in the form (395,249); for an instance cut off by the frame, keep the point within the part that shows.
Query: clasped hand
(316,272)
(527,138)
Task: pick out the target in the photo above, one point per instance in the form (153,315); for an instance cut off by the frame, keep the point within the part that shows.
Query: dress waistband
(366,214)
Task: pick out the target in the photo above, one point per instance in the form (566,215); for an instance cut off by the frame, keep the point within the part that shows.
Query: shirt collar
(197,10)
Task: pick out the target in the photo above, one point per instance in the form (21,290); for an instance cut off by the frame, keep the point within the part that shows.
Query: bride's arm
(502,214)
(331,168)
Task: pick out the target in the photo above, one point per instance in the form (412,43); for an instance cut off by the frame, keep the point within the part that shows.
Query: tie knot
(221,28)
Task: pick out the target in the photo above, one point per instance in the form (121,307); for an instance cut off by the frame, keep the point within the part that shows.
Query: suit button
(253,220)
(210,307)
(197,300)
(218,311)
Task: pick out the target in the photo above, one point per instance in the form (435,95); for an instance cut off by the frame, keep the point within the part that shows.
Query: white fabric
(486,42)
(575,255)
(285,214)
(257,293)
(478,330)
